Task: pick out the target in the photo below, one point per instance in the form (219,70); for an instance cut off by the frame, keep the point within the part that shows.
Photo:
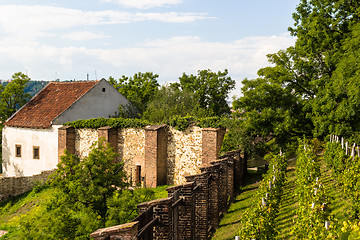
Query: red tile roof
(49,103)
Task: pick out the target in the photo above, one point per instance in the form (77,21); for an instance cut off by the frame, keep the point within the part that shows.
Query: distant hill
(32,87)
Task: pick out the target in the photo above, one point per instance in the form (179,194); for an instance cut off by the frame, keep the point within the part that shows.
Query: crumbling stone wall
(156,154)
(184,154)
(84,139)
(131,148)
(14,186)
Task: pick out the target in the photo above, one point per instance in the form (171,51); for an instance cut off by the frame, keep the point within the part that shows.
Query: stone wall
(191,210)
(131,148)
(84,139)
(170,155)
(184,154)
(14,186)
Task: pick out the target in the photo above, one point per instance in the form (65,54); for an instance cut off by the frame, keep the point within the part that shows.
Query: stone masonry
(154,155)
(192,210)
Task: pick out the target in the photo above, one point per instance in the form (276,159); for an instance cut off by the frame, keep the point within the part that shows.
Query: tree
(169,101)
(88,194)
(13,96)
(210,89)
(314,77)
(139,89)
(336,109)
(92,180)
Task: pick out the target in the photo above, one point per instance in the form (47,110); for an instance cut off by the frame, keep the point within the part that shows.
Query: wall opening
(18,150)
(138,174)
(36,152)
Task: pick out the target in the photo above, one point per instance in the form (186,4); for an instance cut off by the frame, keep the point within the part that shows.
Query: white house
(30,136)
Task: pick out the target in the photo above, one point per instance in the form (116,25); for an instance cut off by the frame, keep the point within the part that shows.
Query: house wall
(46,139)
(94,104)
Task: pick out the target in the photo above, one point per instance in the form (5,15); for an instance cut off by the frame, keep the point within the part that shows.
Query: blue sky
(68,39)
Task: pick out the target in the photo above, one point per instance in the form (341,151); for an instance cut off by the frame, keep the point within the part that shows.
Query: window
(103,90)
(36,152)
(18,150)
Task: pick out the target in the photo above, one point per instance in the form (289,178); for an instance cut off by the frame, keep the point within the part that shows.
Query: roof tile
(49,103)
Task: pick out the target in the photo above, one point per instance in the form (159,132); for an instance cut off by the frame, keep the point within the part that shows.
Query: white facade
(27,139)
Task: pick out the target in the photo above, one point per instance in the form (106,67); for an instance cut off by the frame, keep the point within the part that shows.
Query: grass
(230,223)
(13,209)
(286,215)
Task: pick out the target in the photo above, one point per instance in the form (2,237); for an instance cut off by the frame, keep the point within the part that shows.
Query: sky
(68,39)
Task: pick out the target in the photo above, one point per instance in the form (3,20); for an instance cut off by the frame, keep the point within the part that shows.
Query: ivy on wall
(178,122)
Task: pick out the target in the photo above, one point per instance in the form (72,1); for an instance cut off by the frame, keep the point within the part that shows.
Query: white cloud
(31,22)
(84,35)
(144,3)
(167,57)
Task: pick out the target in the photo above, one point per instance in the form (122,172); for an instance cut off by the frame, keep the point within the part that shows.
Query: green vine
(178,122)
(259,221)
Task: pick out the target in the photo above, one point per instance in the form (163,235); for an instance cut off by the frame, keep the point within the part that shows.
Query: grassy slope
(13,209)
(231,220)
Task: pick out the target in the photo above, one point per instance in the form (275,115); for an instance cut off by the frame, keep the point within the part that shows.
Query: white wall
(94,104)
(46,139)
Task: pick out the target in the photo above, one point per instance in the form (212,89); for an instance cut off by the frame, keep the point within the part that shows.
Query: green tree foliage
(92,180)
(89,194)
(139,89)
(336,109)
(310,88)
(172,101)
(13,96)
(210,89)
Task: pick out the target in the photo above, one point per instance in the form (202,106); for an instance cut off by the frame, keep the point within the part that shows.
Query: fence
(191,211)
(349,149)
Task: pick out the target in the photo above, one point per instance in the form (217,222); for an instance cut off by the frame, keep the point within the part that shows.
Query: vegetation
(259,221)
(81,197)
(311,88)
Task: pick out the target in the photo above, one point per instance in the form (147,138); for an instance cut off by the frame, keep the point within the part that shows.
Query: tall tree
(336,109)
(139,89)
(309,72)
(13,96)
(210,89)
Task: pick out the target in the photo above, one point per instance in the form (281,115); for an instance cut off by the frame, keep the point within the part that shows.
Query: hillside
(17,211)
(339,207)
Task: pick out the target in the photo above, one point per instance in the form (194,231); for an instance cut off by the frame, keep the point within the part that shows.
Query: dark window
(36,152)
(18,150)
(138,175)
(103,90)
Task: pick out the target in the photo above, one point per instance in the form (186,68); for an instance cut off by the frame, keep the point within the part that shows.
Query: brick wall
(14,186)
(155,155)
(66,140)
(192,210)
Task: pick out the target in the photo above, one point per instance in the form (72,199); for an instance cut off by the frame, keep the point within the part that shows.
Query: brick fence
(14,186)
(192,210)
